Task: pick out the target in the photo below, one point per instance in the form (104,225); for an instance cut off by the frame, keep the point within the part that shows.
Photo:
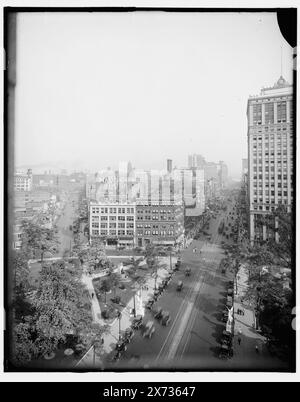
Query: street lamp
(119,316)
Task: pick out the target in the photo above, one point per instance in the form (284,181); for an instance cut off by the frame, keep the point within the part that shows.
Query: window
(269,113)
(256,114)
(103,218)
(121,218)
(281,112)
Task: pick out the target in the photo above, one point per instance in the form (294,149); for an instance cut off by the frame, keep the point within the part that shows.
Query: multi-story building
(113,223)
(196,161)
(23,181)
(270,156)
(244,166)
(160,223)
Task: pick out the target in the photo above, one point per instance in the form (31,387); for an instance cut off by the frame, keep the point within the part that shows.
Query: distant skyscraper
(196,161)
(270,156)
(169,165)
(244,165)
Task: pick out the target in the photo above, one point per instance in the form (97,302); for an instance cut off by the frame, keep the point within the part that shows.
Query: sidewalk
(244,328)
(110,338)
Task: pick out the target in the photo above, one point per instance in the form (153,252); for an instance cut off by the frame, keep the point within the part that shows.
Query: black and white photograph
(149,190)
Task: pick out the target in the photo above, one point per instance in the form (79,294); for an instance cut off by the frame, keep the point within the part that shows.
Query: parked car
(121,346)
(128,334)
(157,312)
(179,286)
(188,271)
(165,318)
(137,322)
(116,299)
(149,330)
(150,303)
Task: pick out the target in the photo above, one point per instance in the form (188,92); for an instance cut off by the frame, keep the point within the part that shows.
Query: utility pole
(134,308)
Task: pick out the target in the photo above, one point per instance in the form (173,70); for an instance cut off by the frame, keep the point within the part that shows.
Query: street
(192,337)
(65,235)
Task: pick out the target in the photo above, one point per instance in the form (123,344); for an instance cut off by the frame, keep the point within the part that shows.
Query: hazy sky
(96,88)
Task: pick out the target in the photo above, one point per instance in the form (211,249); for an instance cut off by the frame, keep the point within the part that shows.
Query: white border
(140,376)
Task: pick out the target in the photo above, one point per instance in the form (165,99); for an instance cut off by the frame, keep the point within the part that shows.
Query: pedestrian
(239,340)
(92,295)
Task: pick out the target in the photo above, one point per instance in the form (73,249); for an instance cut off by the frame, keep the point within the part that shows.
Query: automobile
(179,286)
(188,272)
(137,322)
(169,275)
(223,270)
(150,303)
(229,304)
(149,329)
(177,266)
(225,316)
(161,287)
(226,338)
(229,299)
(128,334)
(165,283)
(230,292)
(165,318)
(116,299)
(157,312)
(121,346)
(156,294)
(225,352)
(162,253)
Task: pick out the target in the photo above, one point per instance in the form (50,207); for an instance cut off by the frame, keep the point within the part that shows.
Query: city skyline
(141,91)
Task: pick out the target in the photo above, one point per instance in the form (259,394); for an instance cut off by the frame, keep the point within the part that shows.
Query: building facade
(160,224)
(270,157)
(113,223)
(23,181)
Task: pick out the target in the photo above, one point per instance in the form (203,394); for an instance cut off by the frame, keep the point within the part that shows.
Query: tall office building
(270,156)
(196,161)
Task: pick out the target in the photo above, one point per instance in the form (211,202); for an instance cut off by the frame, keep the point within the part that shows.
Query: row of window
(279,184)
(112,225)
(267,192)
(162,233)
(154,227)
(104,210)
(156,218)
(154,211)
(112,232)
(113,218)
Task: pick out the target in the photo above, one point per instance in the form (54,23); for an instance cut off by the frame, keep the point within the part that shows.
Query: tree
(24,348)
(95,257)
(60,308)
(37,239)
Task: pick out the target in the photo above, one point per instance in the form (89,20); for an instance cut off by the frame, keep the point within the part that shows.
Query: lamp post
(134,308)
(119,315)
